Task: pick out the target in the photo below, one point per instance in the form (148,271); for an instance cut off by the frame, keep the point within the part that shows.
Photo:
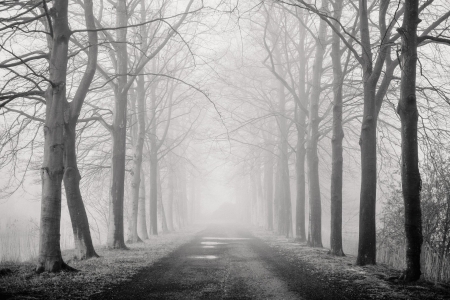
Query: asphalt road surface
(226,262)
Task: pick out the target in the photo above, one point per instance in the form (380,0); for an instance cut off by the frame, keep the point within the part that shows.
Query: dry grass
(20,242)
(380,281)
(434,267)
(94,275)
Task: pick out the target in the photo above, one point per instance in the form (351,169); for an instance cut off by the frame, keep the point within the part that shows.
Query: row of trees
(103,80)
(332,66)
(312,84)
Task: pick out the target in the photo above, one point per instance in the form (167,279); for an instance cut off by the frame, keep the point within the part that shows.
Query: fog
(276,115)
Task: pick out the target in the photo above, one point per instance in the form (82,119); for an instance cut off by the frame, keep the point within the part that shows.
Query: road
(226,262)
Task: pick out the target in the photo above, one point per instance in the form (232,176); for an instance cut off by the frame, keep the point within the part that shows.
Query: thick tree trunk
(336,141)
(368,139)
(268,183)
(84,248)
(407,109)
(315,206)
(115,237)
(52,170)
(368,143)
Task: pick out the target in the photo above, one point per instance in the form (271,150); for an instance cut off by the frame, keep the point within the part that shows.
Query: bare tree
(315,215)
(83,242)
(336,140)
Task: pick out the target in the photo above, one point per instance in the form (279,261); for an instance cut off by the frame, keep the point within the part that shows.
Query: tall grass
(20,242)
(18,247)
(434,266)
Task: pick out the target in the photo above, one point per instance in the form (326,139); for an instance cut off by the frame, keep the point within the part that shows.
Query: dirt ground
(219,262)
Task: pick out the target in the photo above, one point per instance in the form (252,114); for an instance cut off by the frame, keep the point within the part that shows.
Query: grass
(94,275)
(434,267)
(20,242)
(379,281)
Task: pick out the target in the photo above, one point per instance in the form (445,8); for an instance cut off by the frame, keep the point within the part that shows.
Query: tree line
(110,86)
(330,67)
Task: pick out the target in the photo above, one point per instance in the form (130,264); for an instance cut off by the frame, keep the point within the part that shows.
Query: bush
(435,200)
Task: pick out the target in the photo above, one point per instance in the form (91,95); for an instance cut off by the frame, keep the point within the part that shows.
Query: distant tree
(121,82)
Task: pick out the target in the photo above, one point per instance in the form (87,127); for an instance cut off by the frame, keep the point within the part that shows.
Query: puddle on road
(203,257)
(225,238)
(208,247)
(212,243)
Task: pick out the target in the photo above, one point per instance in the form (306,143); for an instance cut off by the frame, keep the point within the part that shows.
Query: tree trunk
(183,196)
(161,205)
(260,200)
(285,218)
(300,213)
(407,109)
(52,170)
(142,224)
(132,236)
(139,138)
(138,147)
(300,230)
(268,183)
(315,206)
(171,187)
(254,199)
(336,141)
(368,143)
(277,196)
(153,190)
(84,247)
(153,161)
(368,139)
(115,239)
(193,205)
